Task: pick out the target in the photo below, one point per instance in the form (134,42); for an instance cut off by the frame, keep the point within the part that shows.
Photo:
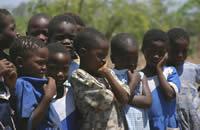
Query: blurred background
(114,16)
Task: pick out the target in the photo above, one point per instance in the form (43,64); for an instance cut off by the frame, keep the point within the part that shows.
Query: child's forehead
(59,57)
(65,27)
(38,21)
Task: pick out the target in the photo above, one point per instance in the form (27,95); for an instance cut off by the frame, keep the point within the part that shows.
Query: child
(98,92)
(124,55)
(8,73)
(38,26)
(58,66)
(189,74)
(62,29)
(163,81)
(7,32)
(34,92)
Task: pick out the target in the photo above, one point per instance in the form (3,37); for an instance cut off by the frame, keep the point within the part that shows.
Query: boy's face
(58,66)
(95,58)
(155,53)
(35,65)
(126,59)
(178,52)
(39,28)
(8,34)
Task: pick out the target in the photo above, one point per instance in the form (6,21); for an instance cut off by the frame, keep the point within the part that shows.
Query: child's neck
(149,71)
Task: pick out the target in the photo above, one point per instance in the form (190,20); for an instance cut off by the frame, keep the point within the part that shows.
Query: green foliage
(114,16)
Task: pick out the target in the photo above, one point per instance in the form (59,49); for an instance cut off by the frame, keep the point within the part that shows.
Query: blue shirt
(162,113)
(29,92)
(136,118)
(65,109)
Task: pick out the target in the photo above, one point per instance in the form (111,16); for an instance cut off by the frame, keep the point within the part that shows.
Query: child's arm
(38,114)
(144,100)
(167,89)
(134,79)
(118,89)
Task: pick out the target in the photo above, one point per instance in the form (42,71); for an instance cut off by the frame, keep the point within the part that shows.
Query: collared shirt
(162,113)
(96,102)
(136,118)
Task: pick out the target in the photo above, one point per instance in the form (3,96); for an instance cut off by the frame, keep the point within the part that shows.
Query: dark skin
(95,66)
(156,57)
(35,66)
(128,60)
(38,27)
(8,71)
(178,52)
(7,34)
(58,66)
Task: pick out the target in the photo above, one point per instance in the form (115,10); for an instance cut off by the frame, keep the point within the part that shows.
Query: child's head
(178,46)
(30,56)
(79,22)
(92,47)
(155,46)
(124,51)
(62,27)
(58,62)
(38,26)
(7,29)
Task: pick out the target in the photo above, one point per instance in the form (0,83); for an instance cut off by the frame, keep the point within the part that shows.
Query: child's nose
(42,37)
(60,75)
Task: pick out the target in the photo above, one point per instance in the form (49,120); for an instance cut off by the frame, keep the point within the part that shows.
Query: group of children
(56,78)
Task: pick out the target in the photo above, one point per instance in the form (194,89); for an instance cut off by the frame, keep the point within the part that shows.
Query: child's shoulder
(169,70)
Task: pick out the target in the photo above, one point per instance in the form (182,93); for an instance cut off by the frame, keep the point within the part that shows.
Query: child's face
(155,53)
(64,31)
(127,59)
(39,28)
(178,52)
(58,66)
(35,65)
(8,33)
(95,58)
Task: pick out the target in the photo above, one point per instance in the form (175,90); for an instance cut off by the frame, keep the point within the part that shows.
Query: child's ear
(19,62)
(82,51)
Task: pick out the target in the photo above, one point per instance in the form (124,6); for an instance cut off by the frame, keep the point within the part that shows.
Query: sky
(11,3)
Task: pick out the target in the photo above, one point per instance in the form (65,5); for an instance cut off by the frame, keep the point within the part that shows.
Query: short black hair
(57,48)
(77,19)
(24,44)
(121,41)
(177,33)
(37,16)
(154,35)
(56,20)
(3,13)
(88,38)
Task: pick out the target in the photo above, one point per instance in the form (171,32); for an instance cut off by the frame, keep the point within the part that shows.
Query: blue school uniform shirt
(29,92)
(162,113)
(188,99)
(65,109)
(136,118)
(73,66)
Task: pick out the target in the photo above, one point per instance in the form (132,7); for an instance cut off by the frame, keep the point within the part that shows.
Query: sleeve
(26,100)
(174,80)
(91,94)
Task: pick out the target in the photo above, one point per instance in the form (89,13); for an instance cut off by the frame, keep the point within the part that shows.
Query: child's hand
(104,71)
(10,78)
(134,76)
(50,89)
(5,67)
(162,62)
